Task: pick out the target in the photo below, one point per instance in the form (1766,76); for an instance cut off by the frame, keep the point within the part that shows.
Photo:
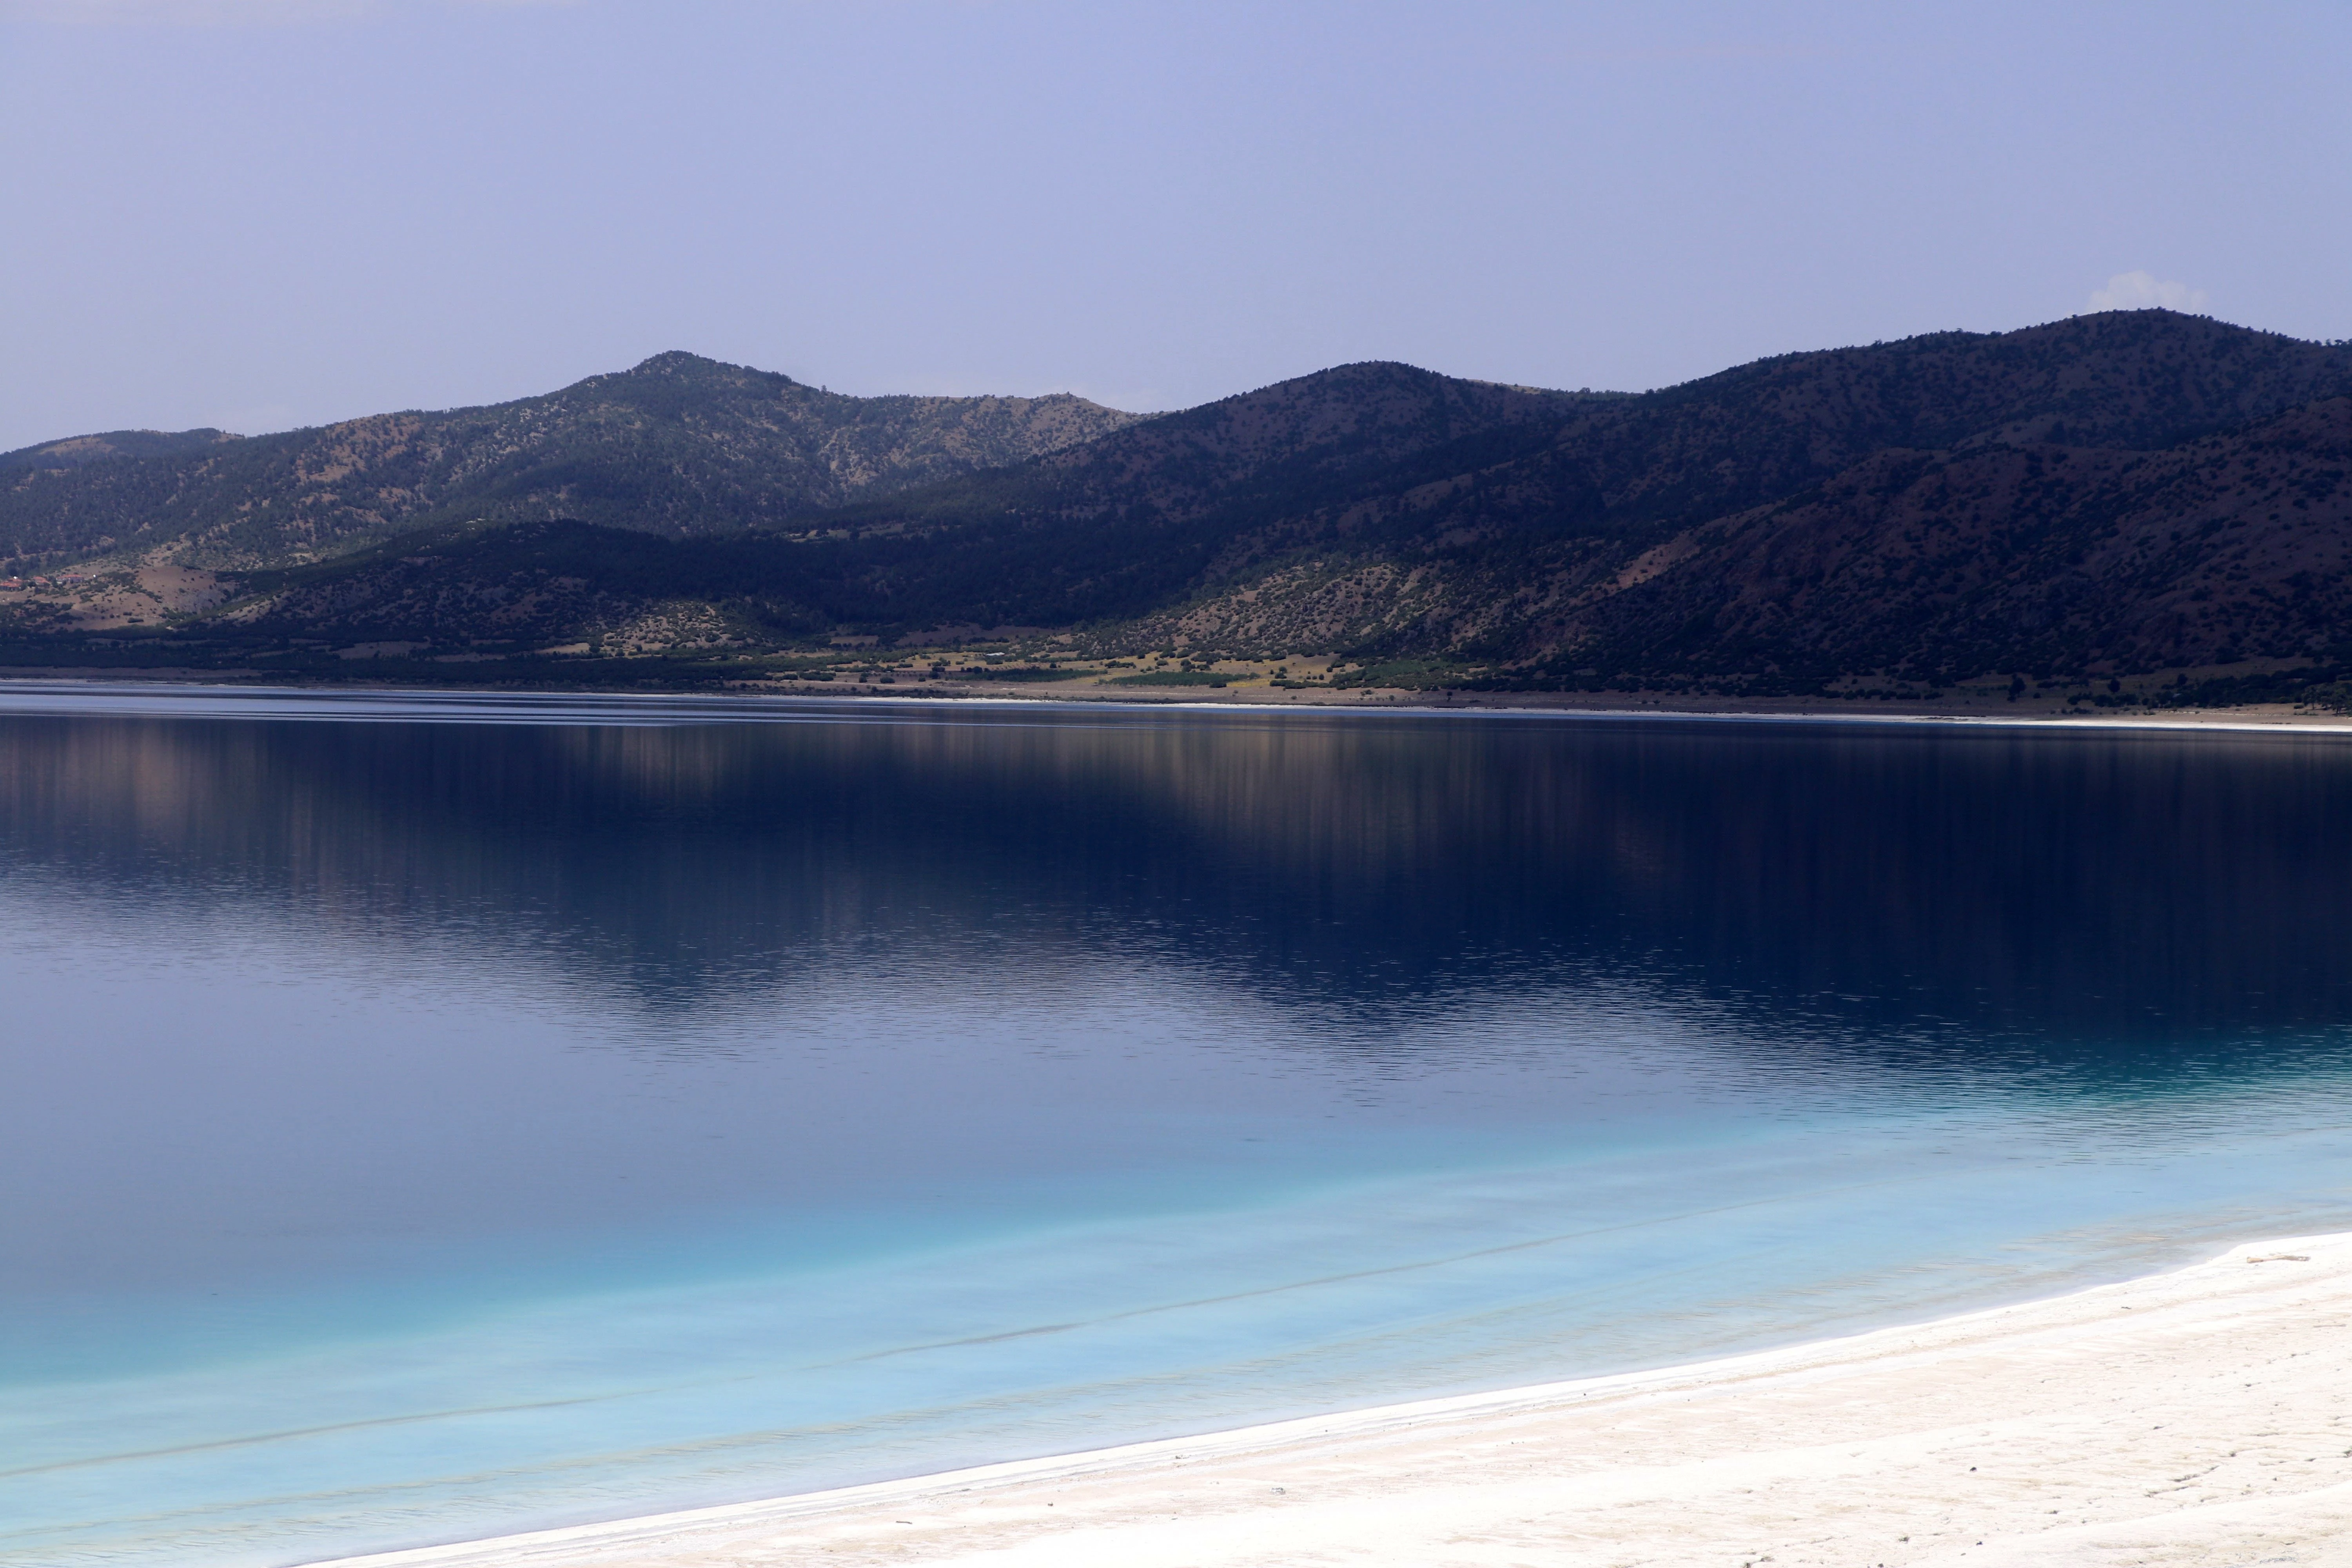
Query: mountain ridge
(77,452)
(2092,496)
(669,445)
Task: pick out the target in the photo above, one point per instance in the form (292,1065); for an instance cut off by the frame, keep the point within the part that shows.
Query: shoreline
(2250,719)
(2198,1414)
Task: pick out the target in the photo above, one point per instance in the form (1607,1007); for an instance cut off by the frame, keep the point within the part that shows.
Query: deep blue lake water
(425,1116)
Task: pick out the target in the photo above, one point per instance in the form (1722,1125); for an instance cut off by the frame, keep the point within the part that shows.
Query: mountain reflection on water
(2116,899)
(795,1094)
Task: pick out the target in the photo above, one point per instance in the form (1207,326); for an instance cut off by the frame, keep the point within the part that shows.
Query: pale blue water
(428,1116)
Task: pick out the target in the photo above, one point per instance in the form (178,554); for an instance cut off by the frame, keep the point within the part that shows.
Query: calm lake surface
(425,1116)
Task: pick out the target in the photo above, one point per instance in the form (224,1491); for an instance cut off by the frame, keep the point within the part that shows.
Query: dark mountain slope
(1152,503)
(2137,380)
(678,445)
(1153,506)
(2129,492)
(533,583)
(1119,526)
(2134,379)
(1935,566)
(1384,508)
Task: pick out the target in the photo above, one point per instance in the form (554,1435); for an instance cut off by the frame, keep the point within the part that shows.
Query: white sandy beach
(2197,1417)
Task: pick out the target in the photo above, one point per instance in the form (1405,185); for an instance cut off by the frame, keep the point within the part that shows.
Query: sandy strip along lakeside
(2199,1417)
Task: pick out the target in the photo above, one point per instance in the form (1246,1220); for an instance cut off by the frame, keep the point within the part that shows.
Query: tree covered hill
(1388,514)
(678,445)
(2125,492)
(1525,465)
(1933,566)
(1661,538)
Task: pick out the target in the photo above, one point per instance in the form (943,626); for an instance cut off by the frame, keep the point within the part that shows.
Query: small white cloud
(2145,291)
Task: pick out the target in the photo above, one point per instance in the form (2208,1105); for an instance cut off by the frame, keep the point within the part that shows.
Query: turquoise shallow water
(429,1117)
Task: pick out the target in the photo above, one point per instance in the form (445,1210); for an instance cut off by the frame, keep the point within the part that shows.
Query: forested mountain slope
(1379,510)
(2122,492)
(678,445)
(1937,566)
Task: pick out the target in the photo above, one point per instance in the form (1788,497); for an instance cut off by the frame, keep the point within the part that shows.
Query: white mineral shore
(2197,1417)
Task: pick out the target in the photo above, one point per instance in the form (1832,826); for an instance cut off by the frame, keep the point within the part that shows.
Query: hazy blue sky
(258,213)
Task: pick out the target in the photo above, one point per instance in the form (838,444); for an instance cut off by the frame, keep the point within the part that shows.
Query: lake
(429,1116)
